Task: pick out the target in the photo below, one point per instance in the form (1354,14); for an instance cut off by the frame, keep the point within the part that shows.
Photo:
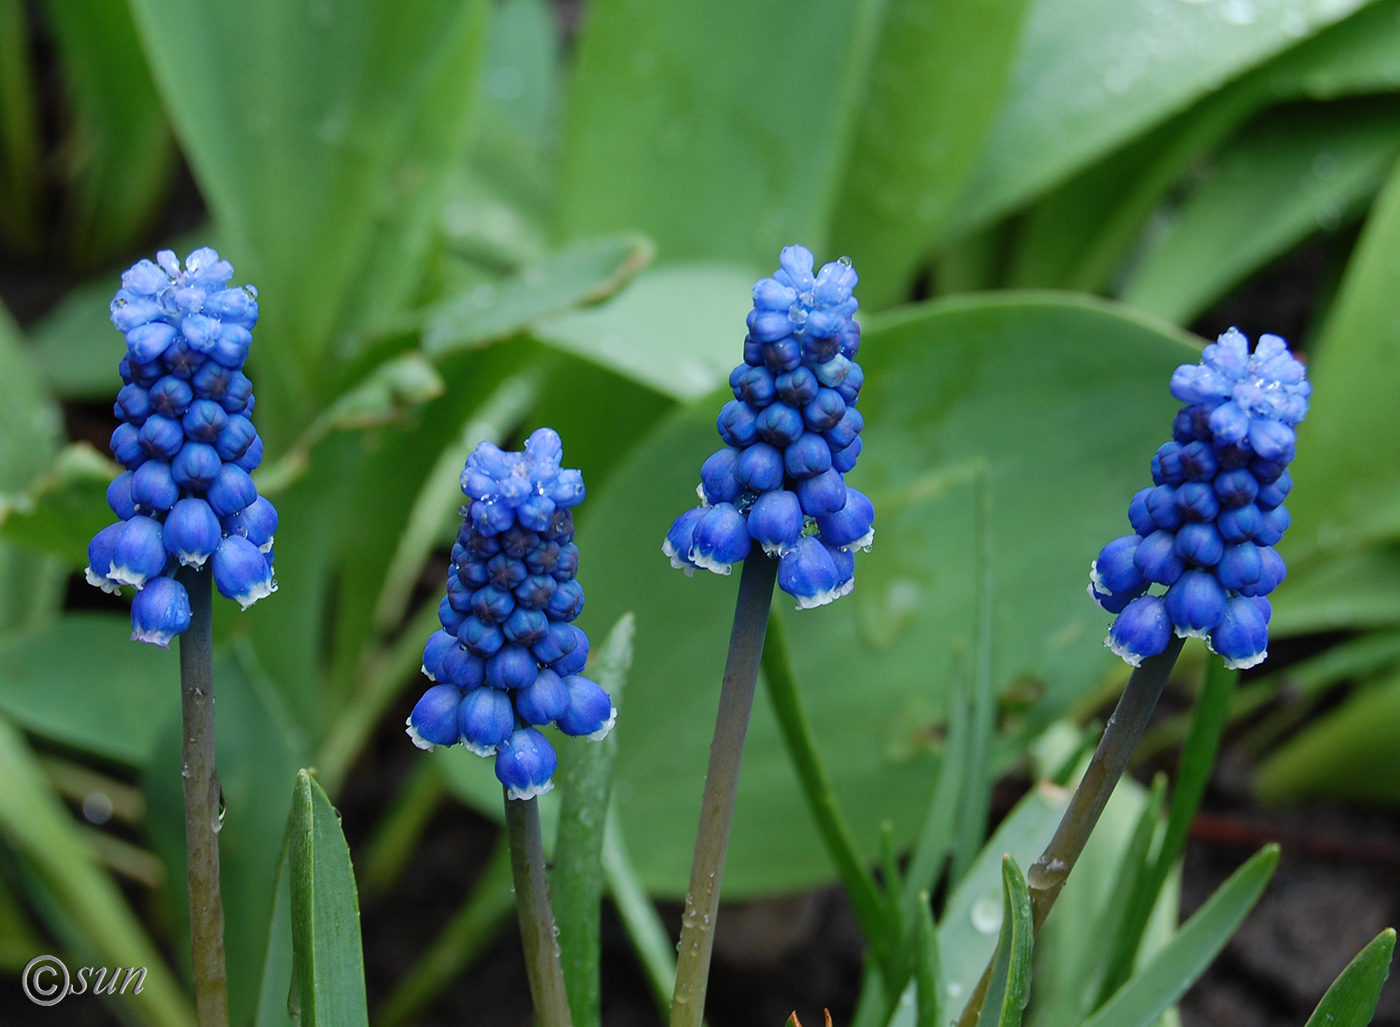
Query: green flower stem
(870,908)
(1125,728)
(202,815)
(536,917)
(721,787)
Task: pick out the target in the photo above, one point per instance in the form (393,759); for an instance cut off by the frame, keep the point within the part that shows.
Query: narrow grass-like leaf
(928,967)
(585,272)
(38,828)
(1173,970)
(643,925)
(1351,1000)
(20,146)
(328,974)
(576,882)
(1010,986)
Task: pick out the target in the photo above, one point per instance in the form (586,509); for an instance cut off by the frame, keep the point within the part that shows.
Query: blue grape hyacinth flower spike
(791,433)
(1205,532)
(508,657)
(187,441)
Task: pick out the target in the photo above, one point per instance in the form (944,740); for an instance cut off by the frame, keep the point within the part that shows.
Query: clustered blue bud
(791,433)
(1206,529)
(187,443)
(508,659)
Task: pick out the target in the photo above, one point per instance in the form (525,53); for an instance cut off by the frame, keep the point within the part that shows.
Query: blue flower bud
(251,457)
(1242,638)
(1166,465)
(566,603)
(1198,461)
(100,558)
(824,493)
(1236,488)
(782,355)
(196,466)
(433,721)
(170,397)
(797,388)
(1240,566)
(850,386)
(779,424)
(211,380)
(149,341)
(851,527)
(1140,514)
(543,701)
(1157,558)
(1161,501)
(753,351)
(204,420)
(756,386)
(492,605)
(559,639)
(1196,603)
(1275,492)
(231,347)
(1270,577)
(590,713)
(738,424)
(825,410)
(1240,523)
(153,488)
(525,627)
(809,574)
(257,522)
(133,404)
(1199,544)
(481,637)
(576,658)
(718,483)
(681,538)
(775,521)
(1142,630)
(449,616)
(463,669)
(566,564)
(1196,501)
(237,394)
(161,437)
(525,762)
(1114,571)
(807,457)
(512,667)
(759,467)
(119,496)
(844,460)
(1272,440)
(241,571)
(1272,524)
(159,612)
(439,644)
(535,592)
(126,446)
(138,552)
(232,490)
(844,432)
(191,532)
(1117,602)
(721,539)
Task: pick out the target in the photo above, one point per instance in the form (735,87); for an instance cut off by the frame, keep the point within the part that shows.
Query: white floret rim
(192,559)
(1245,662)
(530,791)
(102,582)
(154,636)
(418,739)
(480,750)
(1129,657)
(710,563)
(602,732)
(257,590)
(679,562)
(126,576)
(825,596)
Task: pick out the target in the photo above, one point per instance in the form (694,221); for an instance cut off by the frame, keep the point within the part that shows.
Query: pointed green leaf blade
(1351,1000)
(1010,987)
(328,976)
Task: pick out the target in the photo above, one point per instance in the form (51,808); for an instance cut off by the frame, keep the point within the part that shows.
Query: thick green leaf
(718,129)
(259,751)
(328,973)
(35,824)
(1164,980)
(63,509)
(82,682)
(588,271)
(925,117)
(1062,400)
(313,132)
(1351,1000)
(1348,467)
(1291,174)
(1092,74)
(1348,753)
(1009,988)
(120,157)
(576,881)
(928,967)
(673,329)
(277,968)
(1347,591)
(1358,55)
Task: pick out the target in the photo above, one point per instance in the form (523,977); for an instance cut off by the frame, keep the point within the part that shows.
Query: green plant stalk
(202,815)
(1193,774)
(1049,873)
(536,917)
(870,907)
(721,787)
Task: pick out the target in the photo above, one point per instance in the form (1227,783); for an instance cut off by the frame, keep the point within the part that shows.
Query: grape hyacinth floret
(791,433)
(1206,529)
(508,659)
(188,445)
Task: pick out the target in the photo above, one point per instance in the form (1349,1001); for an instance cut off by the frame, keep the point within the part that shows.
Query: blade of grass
(1010,986)
(1351,1000)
